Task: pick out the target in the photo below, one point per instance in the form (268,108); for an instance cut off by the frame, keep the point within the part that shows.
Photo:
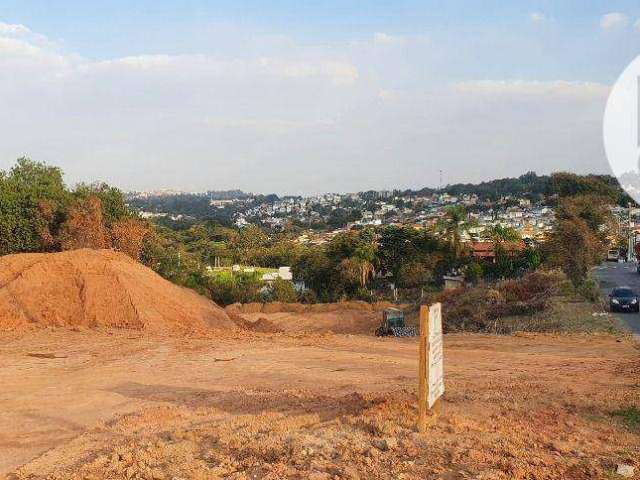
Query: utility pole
(630,236)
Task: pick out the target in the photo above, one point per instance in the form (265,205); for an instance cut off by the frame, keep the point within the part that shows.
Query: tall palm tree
(500,235)
(452,226)
(364,257)
(366,271)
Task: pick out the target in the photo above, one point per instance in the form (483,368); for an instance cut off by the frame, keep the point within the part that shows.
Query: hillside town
(465,232)
(324,216)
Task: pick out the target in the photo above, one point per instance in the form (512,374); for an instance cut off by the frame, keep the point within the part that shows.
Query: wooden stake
(422,369)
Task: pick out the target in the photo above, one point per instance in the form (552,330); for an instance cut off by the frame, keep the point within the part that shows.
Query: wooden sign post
(430,368)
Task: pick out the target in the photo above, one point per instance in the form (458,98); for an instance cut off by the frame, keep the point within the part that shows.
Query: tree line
(537,187)
(38,213)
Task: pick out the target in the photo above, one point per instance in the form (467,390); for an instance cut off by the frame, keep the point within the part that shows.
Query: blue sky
(303,97)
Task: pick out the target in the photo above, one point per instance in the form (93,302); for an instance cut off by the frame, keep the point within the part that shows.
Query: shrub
(364,295)
(464,310)
(589,290)
(413,275)
(308,296)
(84,226)
(236,288)
(480,308)
(282,291)
(128,236)
(630,416)
(473,273)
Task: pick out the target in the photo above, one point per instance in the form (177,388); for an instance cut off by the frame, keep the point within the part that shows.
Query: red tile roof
(486,249)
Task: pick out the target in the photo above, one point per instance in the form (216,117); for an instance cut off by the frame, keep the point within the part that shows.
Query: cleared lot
(88,405)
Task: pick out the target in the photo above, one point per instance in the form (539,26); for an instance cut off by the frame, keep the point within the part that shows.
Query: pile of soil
(353,317)
(355,322)
(264,325)
(279,307)
(98,288)
(261,325)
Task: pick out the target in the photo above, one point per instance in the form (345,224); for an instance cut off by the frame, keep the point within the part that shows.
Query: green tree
(396,246)
(364,257)
(33,199)
(239,287)
(506,245)
(414,275)
(473,272)
(566,184)
(574,248)
(500,234)
(452,226)
(593,209)
(164,252)
(578,240)
(246,242)
(318,272)
(114,207)
(283,291)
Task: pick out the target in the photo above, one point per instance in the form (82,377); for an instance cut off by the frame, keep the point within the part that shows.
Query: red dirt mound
(264,325)
(356,305)
(261,325)
(98,288)
(233,308)
(356,322)
(251,307)
(277,307)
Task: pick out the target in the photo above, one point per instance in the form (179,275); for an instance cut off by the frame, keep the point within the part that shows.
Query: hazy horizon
(326,97)
(444,186)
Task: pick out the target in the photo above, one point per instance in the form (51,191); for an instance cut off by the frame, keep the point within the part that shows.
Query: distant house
(241,222)
(485,251)
(284,273)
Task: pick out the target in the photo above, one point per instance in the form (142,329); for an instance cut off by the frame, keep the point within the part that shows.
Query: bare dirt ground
(87,405)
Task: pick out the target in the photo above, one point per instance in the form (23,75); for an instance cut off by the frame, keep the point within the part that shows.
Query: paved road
(611,274)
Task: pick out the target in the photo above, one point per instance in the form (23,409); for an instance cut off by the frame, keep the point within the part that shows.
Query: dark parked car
(623,299)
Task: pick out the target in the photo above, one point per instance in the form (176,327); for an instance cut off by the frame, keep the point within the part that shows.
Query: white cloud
(96,117)
(537,17)
(143,61)
(340,73)
(21,33)
(337,72)
(386,39)
(13,29)
(27,61)
(614,20)
(387,95)
(15,47)
(289,117)
(522,87)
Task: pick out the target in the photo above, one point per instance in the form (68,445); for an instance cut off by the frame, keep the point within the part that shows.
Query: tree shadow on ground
(250,402)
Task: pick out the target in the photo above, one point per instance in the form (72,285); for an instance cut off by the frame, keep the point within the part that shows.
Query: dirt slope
(354,322)
(98,288)
(356,318)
